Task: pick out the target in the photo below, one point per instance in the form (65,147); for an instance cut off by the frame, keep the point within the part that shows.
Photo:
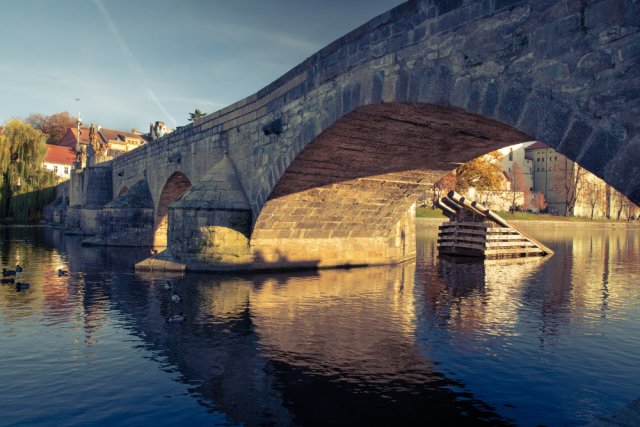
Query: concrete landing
(162,262)
(627,416)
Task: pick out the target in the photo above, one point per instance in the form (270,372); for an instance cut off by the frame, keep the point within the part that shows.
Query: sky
(126,63)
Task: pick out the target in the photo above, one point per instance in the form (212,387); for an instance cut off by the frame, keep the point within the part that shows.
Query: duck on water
(6,272)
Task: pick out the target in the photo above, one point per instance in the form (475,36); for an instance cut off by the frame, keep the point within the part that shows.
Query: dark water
(434,342)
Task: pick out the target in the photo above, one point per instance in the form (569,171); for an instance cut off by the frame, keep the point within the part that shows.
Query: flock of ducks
(175,318)
(9,277)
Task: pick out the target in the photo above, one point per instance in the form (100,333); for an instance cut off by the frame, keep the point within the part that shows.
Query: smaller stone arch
(175,186)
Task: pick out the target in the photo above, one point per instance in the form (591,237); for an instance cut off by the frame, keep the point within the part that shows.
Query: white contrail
(133,63)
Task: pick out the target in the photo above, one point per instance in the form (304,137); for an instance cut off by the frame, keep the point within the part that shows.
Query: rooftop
(60,155)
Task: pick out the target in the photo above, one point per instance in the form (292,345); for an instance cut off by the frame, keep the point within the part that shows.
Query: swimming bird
(176,318)
(176,298)
(6,272)
(9,280)
(167,285)
(18,268)
(21,286)
(62,272)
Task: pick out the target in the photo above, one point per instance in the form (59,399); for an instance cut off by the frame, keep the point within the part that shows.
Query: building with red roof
(60,160)
(119,142)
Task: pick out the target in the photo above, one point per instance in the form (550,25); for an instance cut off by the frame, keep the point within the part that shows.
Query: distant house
(119,142)
(60,160)
(158,130)
(517,154)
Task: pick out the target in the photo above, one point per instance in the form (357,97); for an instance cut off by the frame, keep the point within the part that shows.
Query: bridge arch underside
(349,197)
(175,186)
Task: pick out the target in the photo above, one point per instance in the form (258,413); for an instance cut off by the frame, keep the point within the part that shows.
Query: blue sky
(132,62)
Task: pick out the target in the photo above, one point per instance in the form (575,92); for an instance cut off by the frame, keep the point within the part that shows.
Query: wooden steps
(475,231)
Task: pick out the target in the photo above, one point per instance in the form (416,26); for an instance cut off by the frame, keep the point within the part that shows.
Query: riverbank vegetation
(25,186)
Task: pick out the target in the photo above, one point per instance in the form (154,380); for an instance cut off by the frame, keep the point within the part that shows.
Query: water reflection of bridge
(336,345)
(326,347)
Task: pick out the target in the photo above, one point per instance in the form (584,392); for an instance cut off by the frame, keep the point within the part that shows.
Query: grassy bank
(518,216)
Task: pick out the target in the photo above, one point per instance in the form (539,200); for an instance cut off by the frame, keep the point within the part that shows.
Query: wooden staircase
(475,231)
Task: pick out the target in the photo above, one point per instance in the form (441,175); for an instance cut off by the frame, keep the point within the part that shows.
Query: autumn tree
(519,185)
(54,126)
(22,152)
(539,201)
(483,173)
(196,115)
(442,187)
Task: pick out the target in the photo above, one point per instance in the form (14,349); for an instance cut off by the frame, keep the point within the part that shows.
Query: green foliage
(196,115)
(430,213)
(25,186)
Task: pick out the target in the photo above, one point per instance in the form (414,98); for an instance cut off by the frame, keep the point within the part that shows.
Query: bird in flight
(77,99)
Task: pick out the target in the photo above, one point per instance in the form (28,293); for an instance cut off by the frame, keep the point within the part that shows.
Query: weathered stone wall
(128,220)
(90,221)
(76,185)
(56,211)
(125,227)
(97,186)
(72,218)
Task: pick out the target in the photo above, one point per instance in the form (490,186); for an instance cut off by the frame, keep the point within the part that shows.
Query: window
(66,170)
(511,155)
(55,169)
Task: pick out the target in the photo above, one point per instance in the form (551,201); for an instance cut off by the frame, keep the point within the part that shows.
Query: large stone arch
(173,188)
(348,198)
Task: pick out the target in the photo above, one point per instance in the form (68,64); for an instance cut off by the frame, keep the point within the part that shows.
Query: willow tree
(25,186)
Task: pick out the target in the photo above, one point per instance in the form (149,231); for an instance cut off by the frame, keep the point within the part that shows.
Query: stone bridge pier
(323,167)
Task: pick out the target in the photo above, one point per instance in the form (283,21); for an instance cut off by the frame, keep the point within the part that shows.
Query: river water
(434,342)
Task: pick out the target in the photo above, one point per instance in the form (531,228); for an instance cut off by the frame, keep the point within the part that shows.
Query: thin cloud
(133,63)
(196,101)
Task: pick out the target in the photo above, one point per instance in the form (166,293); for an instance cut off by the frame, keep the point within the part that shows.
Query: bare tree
(519,185)
(570,181)
(593,194)
(618,202)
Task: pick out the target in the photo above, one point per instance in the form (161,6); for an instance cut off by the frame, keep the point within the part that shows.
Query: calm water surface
(434,342)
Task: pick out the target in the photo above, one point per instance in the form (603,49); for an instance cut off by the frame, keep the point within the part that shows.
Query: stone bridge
(323,167)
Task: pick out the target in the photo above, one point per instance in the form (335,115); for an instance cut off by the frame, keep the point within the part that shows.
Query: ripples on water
(436,342)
